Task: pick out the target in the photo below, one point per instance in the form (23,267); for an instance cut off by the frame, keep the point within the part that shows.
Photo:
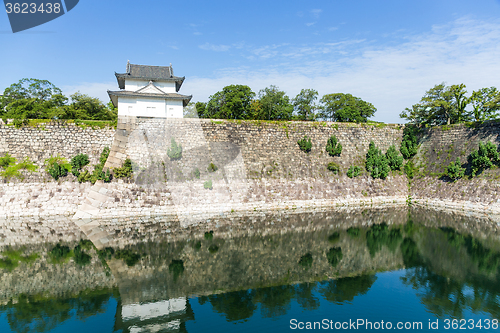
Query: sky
(388,53)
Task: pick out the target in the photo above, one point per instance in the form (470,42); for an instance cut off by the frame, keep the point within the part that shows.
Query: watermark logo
(32,13)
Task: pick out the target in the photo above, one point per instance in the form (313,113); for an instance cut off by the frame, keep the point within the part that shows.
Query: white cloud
(316,12)
(310,24)
(213,47)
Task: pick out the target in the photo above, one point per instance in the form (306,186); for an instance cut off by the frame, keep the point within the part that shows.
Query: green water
(368,270)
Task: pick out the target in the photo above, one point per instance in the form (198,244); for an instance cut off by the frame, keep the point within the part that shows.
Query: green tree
(440,105)
(304,105)
(485,104)
(85,107)
(273,104)
(233,102)
(345,108)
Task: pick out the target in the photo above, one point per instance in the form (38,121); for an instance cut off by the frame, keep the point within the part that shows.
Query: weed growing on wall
(455,170)
(394,159)
(12,169)
(353,232)
(130,258)
(410,169)
(306,260)
(98,173)
(333,147)
(175,150)
(333,167)
(176,267)
(305,144)
(483,158)
(353,171)
(57,166)
(196,173)
(376,162)
(125,171)
(208,184)
(212,167)
(78,162)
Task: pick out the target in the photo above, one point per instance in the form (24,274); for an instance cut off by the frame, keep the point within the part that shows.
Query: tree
(233,102)
(190,111)
(485,104)
(31,98)
(273,105)
(304,105)
(440,105)
(201,109)
(345,108)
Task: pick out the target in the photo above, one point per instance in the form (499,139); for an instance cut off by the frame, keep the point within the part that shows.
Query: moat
(272,272)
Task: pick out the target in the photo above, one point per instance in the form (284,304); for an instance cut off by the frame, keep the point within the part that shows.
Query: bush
(455,170)
(60,253)
(213,248)
(334,256)
(125,171)
(353,171)
(130,258)
(305,144)
(212,167)
(306,260)
(208,184)
(376,162)
(176,267)
(333,167)
(353,232)
(196,173)
(97,173)
(410,169)
(333,147)
(393,158)
(409,145)
(81,258)
(483,158)
(334,237)
(209,235)
(57,167)
(175,150)
(11,168)
(104,156)
(78,162)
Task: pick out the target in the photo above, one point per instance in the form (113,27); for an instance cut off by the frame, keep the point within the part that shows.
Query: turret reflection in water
(259,267)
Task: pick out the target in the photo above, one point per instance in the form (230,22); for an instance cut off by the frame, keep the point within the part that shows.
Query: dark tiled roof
(113,95)
(152,73)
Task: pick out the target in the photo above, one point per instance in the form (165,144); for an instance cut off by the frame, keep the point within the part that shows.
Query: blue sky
(386,52)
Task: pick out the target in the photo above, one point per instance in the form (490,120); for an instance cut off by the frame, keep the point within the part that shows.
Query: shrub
(376,162)
(104,156)
(455,170)
(59,253)
(353,171)
(394,159)
(305,144)
(333,167)
(78,162)
(208,184)
(212,167)
(7,160)
(483,158)
(11,168)
(130,258)
(196,173)
(176,267)
(97,173)
(334,256)
(81,258)
(125,171)
(57,167)
(306,260)
(333,147)
(334,237)
(213,248)
(175,150)
(353,232)
(409,145)
(209,235)
(410,169)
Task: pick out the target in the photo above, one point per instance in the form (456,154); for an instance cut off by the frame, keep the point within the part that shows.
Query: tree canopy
(345,108)
(448,105)
(40,99)
(233,102)
(304,105)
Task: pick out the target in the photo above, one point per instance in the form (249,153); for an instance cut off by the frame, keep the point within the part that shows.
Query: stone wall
(260,166)
(441,145)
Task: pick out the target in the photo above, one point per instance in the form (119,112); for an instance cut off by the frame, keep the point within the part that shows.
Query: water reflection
(250,268)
